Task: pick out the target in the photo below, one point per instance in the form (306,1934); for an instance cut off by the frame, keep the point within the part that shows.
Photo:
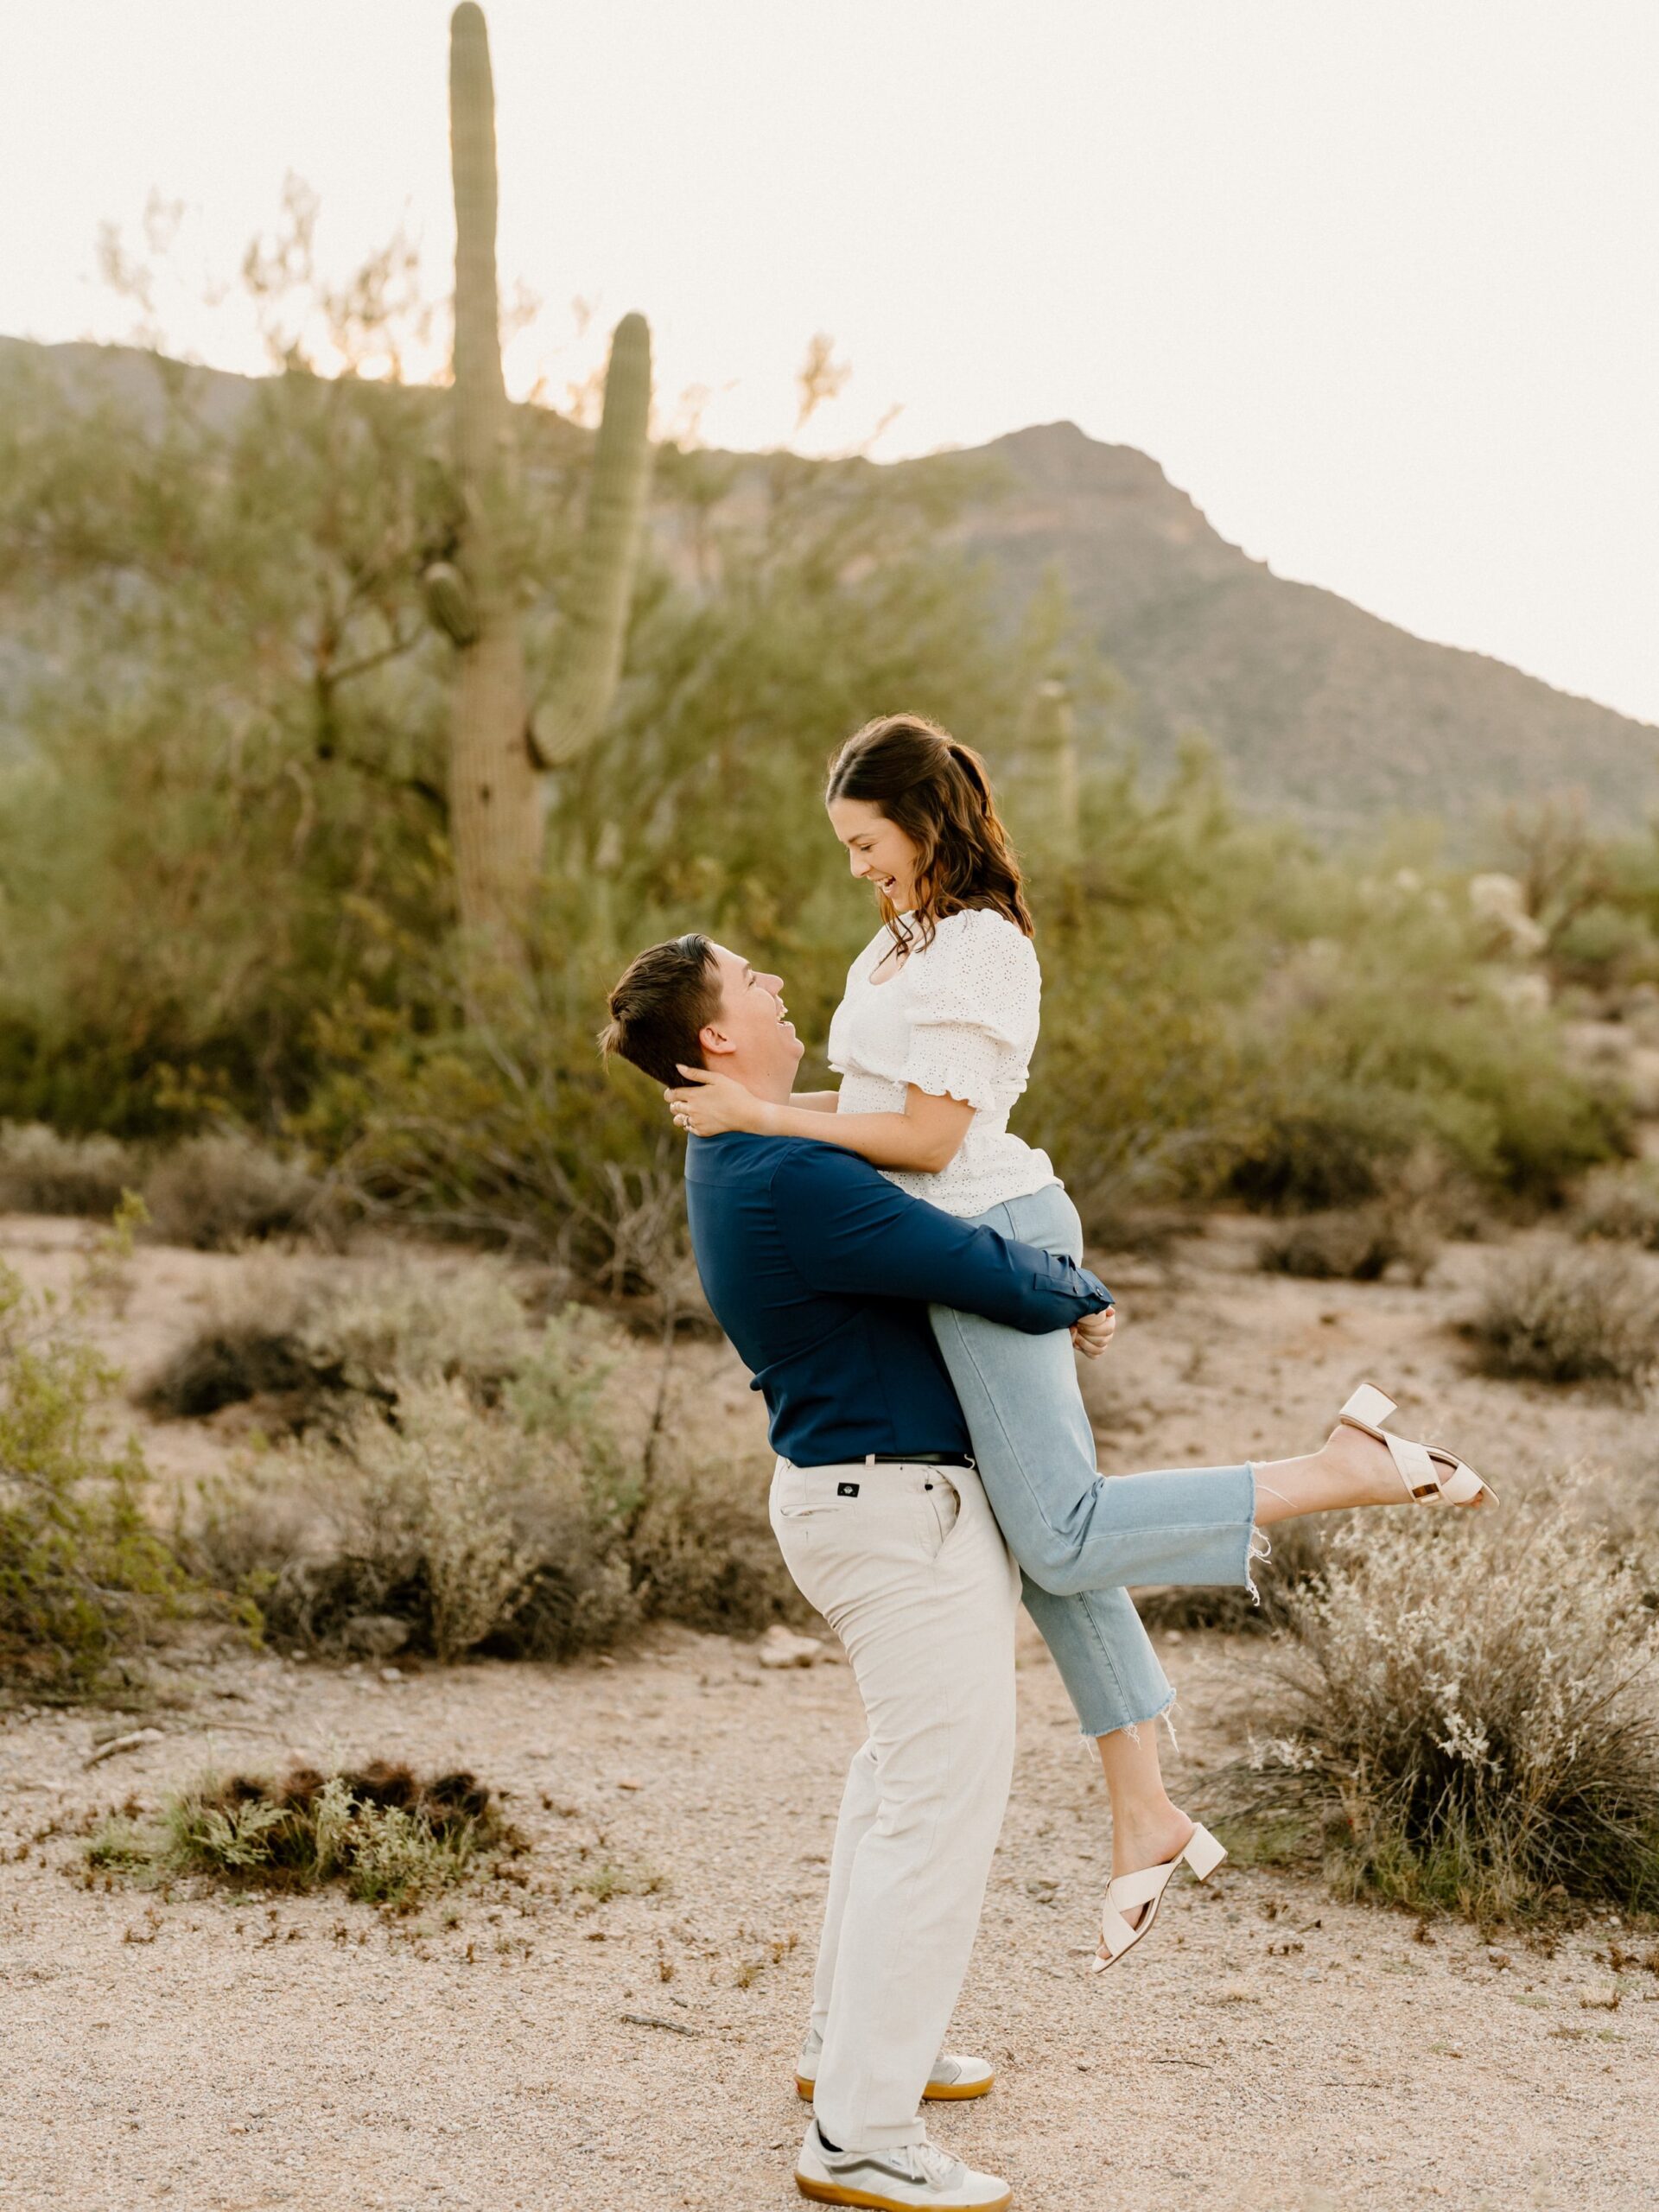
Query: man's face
(753,1039)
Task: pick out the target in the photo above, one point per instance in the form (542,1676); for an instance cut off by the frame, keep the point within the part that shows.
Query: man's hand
(708,1104)
(1094,1332)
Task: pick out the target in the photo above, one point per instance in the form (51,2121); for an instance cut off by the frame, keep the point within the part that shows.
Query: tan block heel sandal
(1432,1476)
(1200,1852)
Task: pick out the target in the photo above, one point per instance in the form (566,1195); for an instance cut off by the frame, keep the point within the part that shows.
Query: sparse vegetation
(487,1489)
(1622,1205)
(219,1190)
(1474,1721)
(1566,1316)
(386,1837)
(1360,1246)
(213,1191)
(309,1340)
(43,1172)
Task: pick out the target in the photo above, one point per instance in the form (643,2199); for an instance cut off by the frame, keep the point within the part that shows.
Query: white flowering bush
(1474,1712)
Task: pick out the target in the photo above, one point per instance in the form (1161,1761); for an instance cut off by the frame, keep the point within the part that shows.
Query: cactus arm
(450,602)
(595,626)
(480,390)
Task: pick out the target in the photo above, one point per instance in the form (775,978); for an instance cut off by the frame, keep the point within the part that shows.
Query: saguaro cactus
(1047,778)
(495,820)
(495,749)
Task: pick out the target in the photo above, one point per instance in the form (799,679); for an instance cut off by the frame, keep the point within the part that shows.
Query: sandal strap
(1142,1886)
(1418,1470)
(1145,1888)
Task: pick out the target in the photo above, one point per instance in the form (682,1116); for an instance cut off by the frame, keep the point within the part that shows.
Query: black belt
(920,1459)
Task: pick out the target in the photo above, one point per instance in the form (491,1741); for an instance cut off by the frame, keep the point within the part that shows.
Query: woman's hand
(709,1104)
(1094,1332)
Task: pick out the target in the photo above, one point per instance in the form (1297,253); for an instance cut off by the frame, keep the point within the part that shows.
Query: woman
(933,1041)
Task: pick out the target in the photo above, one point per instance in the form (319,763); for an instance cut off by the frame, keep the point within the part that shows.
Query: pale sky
(1375,281)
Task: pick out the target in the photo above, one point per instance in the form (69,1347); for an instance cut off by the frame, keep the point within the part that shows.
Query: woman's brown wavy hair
(937,790)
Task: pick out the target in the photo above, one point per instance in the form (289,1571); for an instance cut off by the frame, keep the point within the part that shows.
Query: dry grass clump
(389,1838)
(1565,1316)
(43,1172)
(1474,1722)
(211,1192)
(221,1190)
(1621,1205)
(1358,1246)
(311,1340)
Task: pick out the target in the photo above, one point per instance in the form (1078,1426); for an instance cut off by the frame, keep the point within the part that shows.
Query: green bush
(84,1578)
(1473,1722)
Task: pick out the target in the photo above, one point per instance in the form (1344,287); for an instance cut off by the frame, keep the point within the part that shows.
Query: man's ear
(715,1043)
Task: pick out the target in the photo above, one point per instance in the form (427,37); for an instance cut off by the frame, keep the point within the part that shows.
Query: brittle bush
(1473,1720)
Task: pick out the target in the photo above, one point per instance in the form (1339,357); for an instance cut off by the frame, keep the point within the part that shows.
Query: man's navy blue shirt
(821,1271)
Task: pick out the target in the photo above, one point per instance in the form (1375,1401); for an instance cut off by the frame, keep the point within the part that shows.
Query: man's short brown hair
(661,1002)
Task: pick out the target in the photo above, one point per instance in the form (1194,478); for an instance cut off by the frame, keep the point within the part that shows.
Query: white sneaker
(955,2074)
(896,2180)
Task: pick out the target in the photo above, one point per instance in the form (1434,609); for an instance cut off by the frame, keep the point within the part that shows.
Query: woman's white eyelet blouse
(958,1021)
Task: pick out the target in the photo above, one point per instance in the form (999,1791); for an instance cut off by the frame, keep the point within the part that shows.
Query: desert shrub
(1622,1204)
(1356,1246)
(1566,1316)
(41,1172)
(84,1576)
(1472,1721)
(552,1521)
(1330,1145)
(388,1838)
(313,1338)
(219,1190)
(703,1554)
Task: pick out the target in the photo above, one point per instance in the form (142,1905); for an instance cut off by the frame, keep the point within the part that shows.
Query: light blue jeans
(1080,1538)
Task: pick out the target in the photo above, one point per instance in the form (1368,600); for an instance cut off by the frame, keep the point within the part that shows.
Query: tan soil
(1267,2048)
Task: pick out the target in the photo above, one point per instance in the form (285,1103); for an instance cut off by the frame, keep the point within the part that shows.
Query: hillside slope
(1315,706)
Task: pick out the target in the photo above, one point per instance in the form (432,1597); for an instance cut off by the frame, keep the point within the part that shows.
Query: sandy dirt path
(1268,2050)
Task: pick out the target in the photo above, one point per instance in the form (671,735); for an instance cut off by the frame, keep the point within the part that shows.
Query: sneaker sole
(826,2192)
(940,2093)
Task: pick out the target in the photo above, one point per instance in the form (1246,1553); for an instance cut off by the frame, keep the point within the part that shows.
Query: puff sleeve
(974,1012)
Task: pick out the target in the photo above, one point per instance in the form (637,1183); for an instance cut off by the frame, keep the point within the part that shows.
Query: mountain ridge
(1315,706)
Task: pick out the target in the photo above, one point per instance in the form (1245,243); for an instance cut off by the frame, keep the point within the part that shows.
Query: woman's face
(878,849)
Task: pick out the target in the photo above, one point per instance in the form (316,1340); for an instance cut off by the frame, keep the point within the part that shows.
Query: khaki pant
(908,1566)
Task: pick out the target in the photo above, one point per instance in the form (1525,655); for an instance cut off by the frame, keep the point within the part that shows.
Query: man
(821,1271)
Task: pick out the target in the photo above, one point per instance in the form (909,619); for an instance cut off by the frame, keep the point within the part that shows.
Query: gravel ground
(1267,2048)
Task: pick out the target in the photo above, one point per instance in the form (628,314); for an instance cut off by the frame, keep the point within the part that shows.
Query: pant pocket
(944,1505)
